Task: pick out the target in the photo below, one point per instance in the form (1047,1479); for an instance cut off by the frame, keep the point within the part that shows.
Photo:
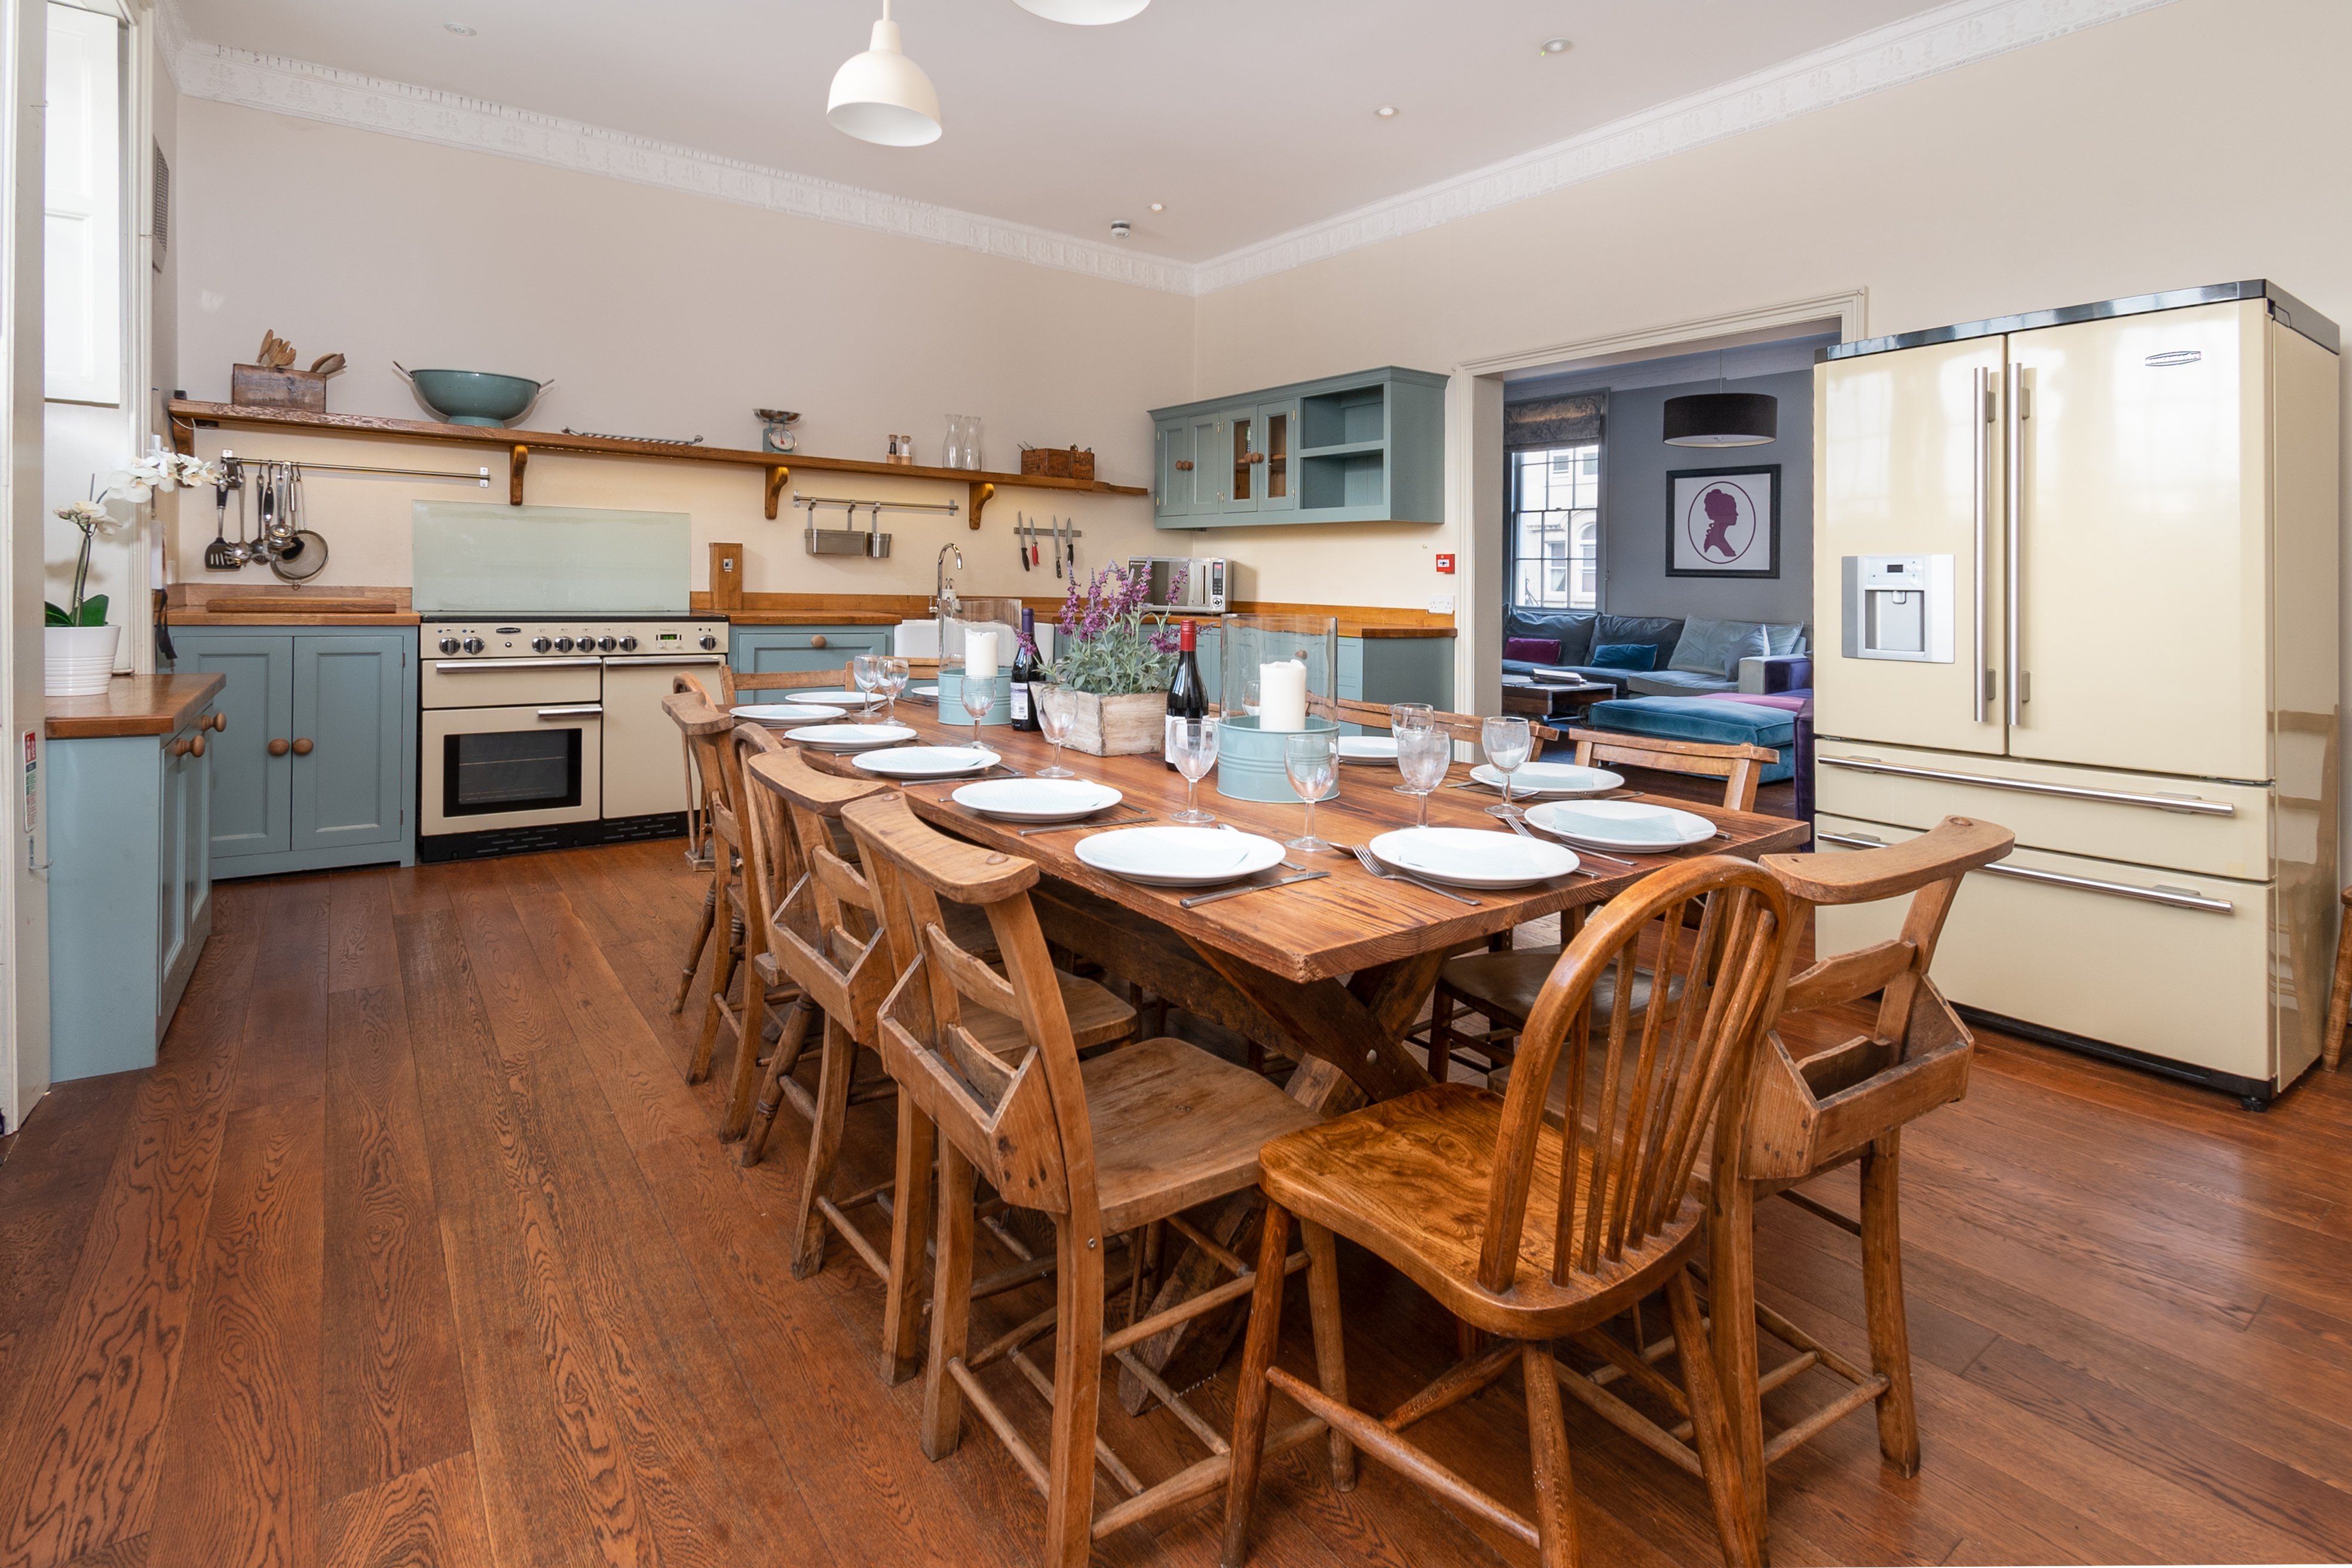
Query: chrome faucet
(943,599)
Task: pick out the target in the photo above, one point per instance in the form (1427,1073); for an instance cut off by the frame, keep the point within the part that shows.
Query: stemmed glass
(977,697)
(865,674)
(1311,758)
(1507,741)
(1404,716)
(1056,707)
(890,679)
(1423,757)
(1193,747)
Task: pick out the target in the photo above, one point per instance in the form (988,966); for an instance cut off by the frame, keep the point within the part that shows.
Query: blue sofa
(1697,718)
(1695,657)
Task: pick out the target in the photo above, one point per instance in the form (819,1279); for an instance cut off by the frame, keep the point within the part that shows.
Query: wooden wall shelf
(187,414)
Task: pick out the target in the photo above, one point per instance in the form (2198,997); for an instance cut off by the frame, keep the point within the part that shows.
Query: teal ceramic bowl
(473,396)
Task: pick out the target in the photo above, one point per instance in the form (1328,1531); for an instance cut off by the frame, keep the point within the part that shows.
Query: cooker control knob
(708,642)
(473,644)
(563,645)
(628,645)
(449,645)
(541,645)
(604,645)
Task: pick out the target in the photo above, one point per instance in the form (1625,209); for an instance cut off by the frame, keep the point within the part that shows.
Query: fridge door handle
(2194,805)
(2014,566)
(1980,418)
(2171,898)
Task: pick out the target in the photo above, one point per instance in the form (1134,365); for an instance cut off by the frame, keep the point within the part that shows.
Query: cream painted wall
(656,313)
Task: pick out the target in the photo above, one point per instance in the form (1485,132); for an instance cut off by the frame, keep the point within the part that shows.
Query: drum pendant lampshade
(883,97)
(1722,420)
(1083,12)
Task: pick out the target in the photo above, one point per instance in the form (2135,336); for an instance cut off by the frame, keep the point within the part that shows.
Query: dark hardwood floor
(415,1248)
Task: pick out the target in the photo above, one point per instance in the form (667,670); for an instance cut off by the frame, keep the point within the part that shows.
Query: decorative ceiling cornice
(1935,41)
(1948,36)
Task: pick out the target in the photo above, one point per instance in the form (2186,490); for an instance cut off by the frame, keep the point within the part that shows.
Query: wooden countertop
(814,618)
(205,618)
(132,705)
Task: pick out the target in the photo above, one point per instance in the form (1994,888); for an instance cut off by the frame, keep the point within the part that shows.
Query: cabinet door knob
(817,641)
(302,746)
(220,722)
(180,748)
(197,747)
(1184,465)
(277,747)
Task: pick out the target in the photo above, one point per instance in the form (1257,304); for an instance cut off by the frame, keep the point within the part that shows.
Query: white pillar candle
(980,655)
(1282,695)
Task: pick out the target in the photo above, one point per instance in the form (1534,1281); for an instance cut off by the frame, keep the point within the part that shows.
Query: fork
(1371,862)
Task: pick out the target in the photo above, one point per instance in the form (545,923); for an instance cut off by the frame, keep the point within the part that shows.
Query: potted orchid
(1115,658)
(77,644)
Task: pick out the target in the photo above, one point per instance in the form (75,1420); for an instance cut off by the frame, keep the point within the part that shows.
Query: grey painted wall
(1634,461)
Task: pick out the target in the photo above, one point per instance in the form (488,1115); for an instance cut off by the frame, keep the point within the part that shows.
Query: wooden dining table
(1332,973)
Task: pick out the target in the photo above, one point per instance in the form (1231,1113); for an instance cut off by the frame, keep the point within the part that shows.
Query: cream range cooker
(549,636)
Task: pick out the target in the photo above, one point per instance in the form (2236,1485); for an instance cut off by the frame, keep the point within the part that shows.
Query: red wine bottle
(1188,696)
(1028,670)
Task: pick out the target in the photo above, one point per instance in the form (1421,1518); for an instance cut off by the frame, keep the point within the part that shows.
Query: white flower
(85,515)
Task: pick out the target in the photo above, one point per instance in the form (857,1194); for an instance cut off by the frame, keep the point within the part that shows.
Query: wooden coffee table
(1549,699)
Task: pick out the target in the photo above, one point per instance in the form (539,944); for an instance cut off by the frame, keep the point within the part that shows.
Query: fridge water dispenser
(1898,606)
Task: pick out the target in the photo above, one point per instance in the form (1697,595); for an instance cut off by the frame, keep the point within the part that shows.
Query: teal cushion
(1705,645)
(1783,639)
(1625,656)
(1696,718)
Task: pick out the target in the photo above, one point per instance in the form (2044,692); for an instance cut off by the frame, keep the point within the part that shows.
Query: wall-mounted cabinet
(1369,447)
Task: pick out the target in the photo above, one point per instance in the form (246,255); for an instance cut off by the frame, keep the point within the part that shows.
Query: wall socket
(1441,605)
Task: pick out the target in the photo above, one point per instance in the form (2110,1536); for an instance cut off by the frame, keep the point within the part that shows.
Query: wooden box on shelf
(1059,462)
(1129,726)
(261,386)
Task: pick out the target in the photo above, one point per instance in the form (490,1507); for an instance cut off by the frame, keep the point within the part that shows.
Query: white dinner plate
(1473,856)
(1368,748)
(1178,857)
(785,712)
(1038,800)
(839,698)
(1532,779)
(850,737)
(926,762)
(931,691)
(1622,825)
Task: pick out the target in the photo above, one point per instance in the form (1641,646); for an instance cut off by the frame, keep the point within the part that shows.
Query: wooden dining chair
(1533,1231)
(733,684)
(1122,1142)
(1810,1112)
(702,729)
(743,1020)
(1500,986)
(1468,728)
(1739,766)
(2340,999)
(697,831)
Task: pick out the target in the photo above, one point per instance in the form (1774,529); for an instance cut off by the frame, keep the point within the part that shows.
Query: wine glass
(1193,747)
(865,674)
(1056,707)
(1507,741)
(1424,755)
(1249,697)
(1311,758)
(891,678)
(1404,716)
(978,695)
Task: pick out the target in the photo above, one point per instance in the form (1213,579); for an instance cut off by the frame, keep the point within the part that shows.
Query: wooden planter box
(1131,726)
(1059,462)
(258,386)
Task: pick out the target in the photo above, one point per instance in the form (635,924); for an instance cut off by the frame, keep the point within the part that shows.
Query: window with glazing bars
(1553,523)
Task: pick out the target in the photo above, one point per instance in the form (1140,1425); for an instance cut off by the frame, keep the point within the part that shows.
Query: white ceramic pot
(78,661)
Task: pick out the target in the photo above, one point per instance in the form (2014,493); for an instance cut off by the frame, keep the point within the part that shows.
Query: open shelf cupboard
(1368,447)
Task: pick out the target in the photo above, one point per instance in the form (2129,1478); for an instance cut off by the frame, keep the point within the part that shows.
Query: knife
(1019,546)
(1056,541)
(1197,900)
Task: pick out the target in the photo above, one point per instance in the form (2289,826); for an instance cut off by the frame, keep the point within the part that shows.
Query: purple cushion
(1533,650)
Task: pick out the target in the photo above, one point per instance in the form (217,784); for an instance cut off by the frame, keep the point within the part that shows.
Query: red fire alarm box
(1445,564)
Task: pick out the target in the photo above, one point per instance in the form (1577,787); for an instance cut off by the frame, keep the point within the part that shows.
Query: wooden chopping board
(297,604)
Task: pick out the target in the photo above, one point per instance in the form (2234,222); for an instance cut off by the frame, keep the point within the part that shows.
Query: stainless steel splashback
(474,558)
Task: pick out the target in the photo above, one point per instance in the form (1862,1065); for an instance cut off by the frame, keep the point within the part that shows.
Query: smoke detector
(1121,228)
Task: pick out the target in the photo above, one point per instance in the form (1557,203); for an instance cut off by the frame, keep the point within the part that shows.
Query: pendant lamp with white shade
(1722,419)
(1083,12)
(883,97)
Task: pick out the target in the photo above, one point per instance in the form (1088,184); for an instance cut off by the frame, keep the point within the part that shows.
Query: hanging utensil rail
(813,502)
(479,476)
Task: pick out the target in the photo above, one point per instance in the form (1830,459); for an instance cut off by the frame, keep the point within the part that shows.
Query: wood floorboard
(416,1248)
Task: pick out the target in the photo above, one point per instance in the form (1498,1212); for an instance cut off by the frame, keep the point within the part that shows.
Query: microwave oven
(1182,581)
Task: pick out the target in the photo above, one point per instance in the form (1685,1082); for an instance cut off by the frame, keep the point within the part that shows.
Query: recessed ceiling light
(459,28)
(1386,111)
(1555,46)
(1159,207)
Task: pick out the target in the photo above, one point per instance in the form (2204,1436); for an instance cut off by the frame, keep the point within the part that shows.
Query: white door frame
(1473,451)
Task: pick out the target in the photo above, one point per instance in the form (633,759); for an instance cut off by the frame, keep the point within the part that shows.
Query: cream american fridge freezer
(2076,573)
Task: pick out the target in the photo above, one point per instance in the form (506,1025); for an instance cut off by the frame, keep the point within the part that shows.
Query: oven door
(510,767)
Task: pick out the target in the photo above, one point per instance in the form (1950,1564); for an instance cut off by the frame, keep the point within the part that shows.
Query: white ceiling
(1248,118)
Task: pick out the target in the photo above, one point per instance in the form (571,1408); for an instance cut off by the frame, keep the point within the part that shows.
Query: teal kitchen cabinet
(1369,447)
(318,767)
(775,650)
(129,877)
